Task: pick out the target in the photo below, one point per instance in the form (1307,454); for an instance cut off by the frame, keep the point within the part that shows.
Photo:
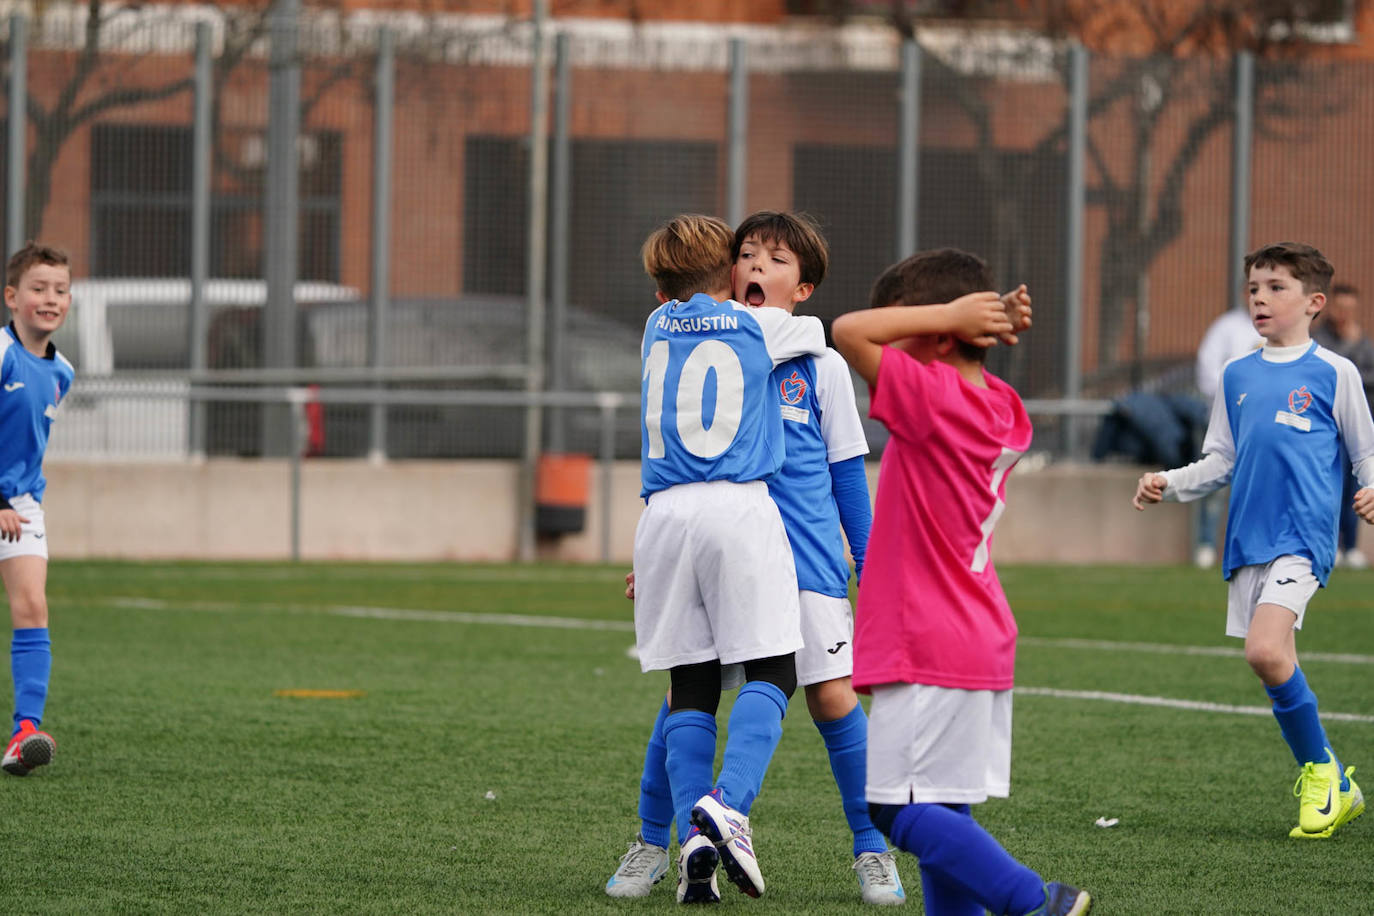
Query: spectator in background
(1338,329)
(1231,335)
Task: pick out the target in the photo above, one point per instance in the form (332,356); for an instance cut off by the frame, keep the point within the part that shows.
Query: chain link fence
(640,130)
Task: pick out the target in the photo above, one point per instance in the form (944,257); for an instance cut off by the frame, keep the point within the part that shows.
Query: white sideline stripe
(1137,700)
(624,626)
(1103,645)
(386,613)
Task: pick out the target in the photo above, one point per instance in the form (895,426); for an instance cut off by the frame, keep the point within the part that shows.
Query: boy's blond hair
(33,253)
(1307,265)
(797,231)
(689,254)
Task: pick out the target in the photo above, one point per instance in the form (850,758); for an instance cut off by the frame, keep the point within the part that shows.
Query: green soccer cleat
(1318,791)
(1351,807)
(1064,900)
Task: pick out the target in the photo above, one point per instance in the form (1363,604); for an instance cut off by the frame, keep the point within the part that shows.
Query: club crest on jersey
(1299,399)
(792,389)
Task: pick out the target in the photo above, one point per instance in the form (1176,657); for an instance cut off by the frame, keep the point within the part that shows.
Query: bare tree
(1163,52)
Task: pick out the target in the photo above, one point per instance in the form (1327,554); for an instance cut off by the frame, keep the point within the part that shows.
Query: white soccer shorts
(938,745)
(33,537)
(1286,581)
(713,577)
(828,635)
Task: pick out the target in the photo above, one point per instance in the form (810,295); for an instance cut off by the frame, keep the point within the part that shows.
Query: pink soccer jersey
(930,608)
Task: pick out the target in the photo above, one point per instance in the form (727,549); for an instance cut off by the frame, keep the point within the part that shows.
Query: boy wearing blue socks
(714,580)
(34,378)
(934,638)
(821,490)
(1283,423)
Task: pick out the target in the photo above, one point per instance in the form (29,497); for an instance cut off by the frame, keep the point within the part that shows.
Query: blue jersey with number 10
(706,405)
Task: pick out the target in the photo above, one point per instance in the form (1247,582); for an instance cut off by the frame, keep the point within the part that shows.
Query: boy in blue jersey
(820,490)
(1283,421)
(34,378)
(714,578)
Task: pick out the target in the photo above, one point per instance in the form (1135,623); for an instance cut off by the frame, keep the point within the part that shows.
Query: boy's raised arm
(979,318)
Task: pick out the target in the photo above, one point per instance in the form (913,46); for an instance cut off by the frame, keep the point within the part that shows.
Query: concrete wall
(465,510)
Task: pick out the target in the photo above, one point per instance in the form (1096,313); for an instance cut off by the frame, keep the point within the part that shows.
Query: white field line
(625,626)
(1136,700)
(1101,645)
(383,613)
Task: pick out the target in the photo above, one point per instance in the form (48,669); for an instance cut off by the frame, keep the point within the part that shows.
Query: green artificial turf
(491,763)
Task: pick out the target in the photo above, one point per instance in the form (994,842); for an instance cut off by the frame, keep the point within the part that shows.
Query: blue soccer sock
(755,729)
(969,864)
(1295,706)
(655,795)
(30,666)
(846,741)
(944,898)
(690,738)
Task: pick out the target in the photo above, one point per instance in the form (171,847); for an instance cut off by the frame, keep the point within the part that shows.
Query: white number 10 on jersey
(697,438)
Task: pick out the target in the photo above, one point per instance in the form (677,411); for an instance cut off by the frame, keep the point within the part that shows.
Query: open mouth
(753,294)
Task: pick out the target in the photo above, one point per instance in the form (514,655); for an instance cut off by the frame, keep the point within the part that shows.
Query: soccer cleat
(1318,789)
(879,882)
(696,871)
(639,870)
(1205,557)
(1064,900)
(1352,806)
(729,831)
(29,748)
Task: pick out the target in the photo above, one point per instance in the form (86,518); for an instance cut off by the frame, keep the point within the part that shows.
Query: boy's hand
(1017,304)
(630,584)
(11,523)
(1149,490)
(1364,504)
(980,318)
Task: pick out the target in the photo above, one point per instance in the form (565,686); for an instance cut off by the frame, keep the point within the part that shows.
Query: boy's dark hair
(932,278)
(1307,265)
(1343,289)
(797,231)
(33,253)
(689,254)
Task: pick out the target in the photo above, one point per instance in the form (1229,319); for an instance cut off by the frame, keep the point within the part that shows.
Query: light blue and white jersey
(706,408)
(31,387)
(821,426)
(1286,428)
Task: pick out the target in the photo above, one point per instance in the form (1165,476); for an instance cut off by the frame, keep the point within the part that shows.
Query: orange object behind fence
(562,483)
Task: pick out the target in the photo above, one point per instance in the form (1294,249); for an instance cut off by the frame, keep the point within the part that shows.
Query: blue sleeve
(849,483)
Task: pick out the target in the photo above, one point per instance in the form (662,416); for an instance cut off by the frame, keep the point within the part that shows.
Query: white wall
(465,511)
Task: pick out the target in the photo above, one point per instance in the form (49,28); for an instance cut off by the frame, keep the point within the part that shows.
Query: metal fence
(308,197)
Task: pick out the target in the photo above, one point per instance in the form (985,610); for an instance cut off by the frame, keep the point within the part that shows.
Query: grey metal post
(560,191)
(296,399)
(199,319)
(535,268)
(18,130)
(607,462)
(738,138)
(1073,241)
(1242,141)
(382,121)
(908,149)
(281,211)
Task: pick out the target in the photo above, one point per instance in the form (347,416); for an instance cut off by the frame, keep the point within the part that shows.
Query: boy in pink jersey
(934,638)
